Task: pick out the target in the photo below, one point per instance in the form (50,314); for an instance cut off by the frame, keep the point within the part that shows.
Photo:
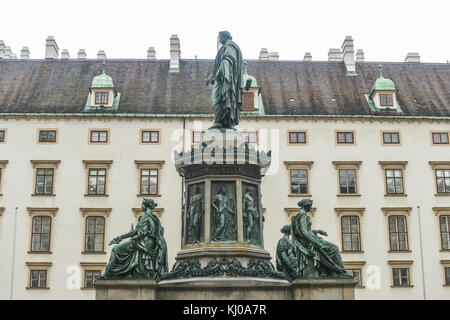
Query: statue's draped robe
(224,216)
(286,258)
(144,255)
(227,92)
(251,218)
(324,255)
(195,215)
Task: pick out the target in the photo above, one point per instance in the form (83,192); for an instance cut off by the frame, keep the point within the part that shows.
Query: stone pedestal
(244,288)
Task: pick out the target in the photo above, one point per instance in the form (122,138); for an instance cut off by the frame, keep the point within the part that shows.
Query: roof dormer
(102,93)
(383,96)
(251,94)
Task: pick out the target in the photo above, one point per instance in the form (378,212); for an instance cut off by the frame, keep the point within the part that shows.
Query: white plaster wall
(124,148)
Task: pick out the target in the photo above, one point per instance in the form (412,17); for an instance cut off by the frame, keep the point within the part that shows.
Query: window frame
(305,132)
(47,130)
(38,266)
(86,220)
(149,165)
(439,165)
(356,265)
(97,164)
(98,130)
(432,133)
(386,105)
(193,132)
(299,165)
(347,165)
(4,135)
(95,212)
(394,165)
(441,211)
(403,264)
(350,212)
(292,212)
(102,94)
(91,266)
(390,144)
(3,164)
(398,211)
(446,265)
(35,212)
(44,164)
(336,134)
(141,136)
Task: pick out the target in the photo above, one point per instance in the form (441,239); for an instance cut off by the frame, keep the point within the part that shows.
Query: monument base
(226,289)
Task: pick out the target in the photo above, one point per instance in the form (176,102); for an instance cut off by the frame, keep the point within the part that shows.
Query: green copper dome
(383,84)
(102,81)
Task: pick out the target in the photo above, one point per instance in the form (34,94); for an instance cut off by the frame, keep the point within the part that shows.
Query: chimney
(25,53)
(263,54)
(51,48)
(359,55)
(8,53)
(175,54)
(334,54)
(65,54)
(13,55)
(81,54)
(151,53)
(307,57)
(412,57)
(274,56)
(2,49)
(348,53)
(101,55)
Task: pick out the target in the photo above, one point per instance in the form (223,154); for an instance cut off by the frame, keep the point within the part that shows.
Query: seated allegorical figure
(316,257)
(144,256)
(286,255)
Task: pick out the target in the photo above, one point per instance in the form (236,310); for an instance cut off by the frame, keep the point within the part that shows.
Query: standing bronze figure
(145,254)
(251,218)
(195,214)
(225,227)
(227,80)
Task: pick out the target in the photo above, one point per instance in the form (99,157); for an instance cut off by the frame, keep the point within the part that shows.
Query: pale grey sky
(385,29)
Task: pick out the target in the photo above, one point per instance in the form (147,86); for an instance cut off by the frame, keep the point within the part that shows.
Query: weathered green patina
(144,256)
(195,216)
(250,214)
(219,267)
(227,80)
(223,207)
(286,258)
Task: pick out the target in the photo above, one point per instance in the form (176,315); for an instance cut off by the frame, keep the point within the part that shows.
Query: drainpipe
(14,254)
(421,254)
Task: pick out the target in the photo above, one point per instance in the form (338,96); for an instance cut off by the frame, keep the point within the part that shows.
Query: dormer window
(102,93)
(251,94)
(101,98)
(382,97)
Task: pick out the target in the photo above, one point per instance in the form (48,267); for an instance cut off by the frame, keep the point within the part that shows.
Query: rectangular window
(347,181)
(345,138)
(101,98)
(444,221)
(47,135)
(2,136)
(356,274)
(297,137)
(197,136)
(394,181)
(248,101)
(351,238)
(401,277)
(150,137)
(44,180)
(38,279)
(90,276)
(149,181)
(440,138)
(97,181)
(447,276)
(99,136)
(95,233)
(386,100)
(443,180)
(398,233)
(299,181)
(40,234)
(391,138)
(250,137)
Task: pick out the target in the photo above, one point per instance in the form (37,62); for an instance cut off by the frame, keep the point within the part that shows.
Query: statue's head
(305,204)
(196,188)
(224,36)
(286,229)
(148,203)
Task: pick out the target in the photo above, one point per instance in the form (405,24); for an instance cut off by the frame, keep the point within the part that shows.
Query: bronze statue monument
(144,256)
(227,80)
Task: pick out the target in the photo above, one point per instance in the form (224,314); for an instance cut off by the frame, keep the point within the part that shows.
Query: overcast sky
(385,29)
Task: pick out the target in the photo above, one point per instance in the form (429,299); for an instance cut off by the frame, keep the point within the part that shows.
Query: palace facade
(81,143)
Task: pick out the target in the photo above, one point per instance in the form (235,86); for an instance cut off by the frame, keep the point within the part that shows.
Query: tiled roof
(146,86)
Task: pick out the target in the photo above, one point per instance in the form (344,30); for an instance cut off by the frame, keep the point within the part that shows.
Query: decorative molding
(93,264)
(152,163)
(157,212)
(38,264)
(440,210)
(3,163)
(400,263)
(338,164)
(344,211)
(385,164)
(439,164)
(52,211)
(1,210)
(291,164)
(399,210)
(54,163)
(103,211)
(353,264)
(106,163)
